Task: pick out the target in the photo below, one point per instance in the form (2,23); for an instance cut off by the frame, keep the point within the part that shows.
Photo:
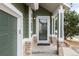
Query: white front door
(43,29)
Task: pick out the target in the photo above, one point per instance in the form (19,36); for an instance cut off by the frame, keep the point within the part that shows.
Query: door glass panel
(42,29)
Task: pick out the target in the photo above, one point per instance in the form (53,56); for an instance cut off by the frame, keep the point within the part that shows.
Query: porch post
(30,23)
(61,24)
(60,29)
(53,25)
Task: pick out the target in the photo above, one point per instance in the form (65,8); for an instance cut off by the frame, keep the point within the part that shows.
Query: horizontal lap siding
(24,9)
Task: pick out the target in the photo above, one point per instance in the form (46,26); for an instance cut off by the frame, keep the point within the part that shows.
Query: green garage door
(8,34)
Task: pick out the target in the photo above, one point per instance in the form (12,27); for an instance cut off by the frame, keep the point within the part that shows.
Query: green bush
(71,24)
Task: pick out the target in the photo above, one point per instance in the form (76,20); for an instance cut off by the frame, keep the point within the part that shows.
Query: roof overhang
(51,7)
(66,5)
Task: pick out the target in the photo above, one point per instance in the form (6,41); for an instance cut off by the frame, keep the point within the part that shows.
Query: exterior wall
(34,26)
(24,9)
(40,12)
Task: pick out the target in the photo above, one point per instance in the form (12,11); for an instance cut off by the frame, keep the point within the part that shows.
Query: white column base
(53,35)
(61,39)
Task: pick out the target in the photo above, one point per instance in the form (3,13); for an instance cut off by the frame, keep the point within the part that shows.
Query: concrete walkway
(69,52)
(44,51)
(52,51)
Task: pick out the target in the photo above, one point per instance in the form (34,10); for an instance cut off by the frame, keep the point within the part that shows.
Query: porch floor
(44,51)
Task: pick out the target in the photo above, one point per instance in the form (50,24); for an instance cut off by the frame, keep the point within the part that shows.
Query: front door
(43,31)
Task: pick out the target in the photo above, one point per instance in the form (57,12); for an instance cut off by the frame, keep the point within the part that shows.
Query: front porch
(45,21)
(55,31)
(51,50)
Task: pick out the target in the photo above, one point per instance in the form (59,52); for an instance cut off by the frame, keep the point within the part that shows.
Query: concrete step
(44,51)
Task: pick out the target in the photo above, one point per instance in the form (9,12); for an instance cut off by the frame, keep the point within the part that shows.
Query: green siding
(8,34)
(34,26)
(40,12)
(24,9)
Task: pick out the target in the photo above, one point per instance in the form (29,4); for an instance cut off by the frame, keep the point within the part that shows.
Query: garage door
(8,34)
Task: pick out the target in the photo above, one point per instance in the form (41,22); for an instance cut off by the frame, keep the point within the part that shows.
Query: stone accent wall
(34,41)
(53,40)
(60,49)
(27,47)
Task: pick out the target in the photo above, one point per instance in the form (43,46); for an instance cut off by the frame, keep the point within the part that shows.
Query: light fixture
(34,18)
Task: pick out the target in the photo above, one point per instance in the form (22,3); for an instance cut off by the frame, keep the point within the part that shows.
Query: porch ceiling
(51,7)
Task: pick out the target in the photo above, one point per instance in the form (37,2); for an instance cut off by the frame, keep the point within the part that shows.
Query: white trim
(59,25)
(30,21)
(9,8)
(36,6)
(48,28)
(37,28)
(53,25)
(63,23)
(61,10)
(54,18)
(67,4)
(60,39)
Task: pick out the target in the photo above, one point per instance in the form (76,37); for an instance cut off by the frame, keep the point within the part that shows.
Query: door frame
(48,28)
(10,9)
